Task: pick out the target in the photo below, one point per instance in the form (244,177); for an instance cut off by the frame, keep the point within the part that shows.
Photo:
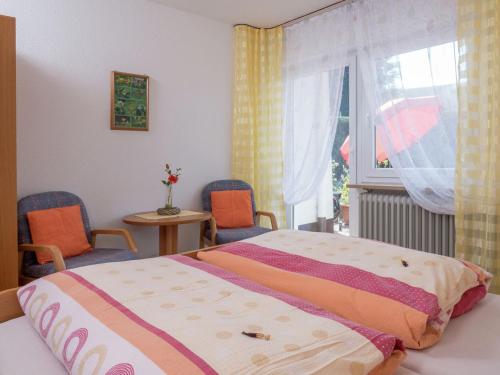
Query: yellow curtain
(478,141)
(257,156)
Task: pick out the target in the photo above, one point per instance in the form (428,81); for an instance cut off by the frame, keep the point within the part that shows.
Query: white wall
(65,53)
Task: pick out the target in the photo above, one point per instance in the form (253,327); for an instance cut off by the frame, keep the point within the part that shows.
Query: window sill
(370,187)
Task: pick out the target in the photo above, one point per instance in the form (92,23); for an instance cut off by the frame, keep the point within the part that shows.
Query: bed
(24,342)
(177,315)
(471,343)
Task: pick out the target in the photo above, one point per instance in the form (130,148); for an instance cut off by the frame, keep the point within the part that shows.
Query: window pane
(380,157)
(420,103)
(340,162)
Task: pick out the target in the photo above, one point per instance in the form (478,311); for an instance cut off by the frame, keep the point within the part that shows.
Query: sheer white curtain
(407,54)
(315,57)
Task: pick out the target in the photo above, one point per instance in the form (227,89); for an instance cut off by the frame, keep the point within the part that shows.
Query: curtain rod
(296,19)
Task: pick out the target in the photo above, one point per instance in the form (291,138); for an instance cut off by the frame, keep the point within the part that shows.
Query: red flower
(173,179)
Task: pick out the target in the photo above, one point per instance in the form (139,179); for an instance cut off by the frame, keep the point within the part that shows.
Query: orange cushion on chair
(62,227)
(232,208)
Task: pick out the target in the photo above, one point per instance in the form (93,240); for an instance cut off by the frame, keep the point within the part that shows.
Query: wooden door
(8,195)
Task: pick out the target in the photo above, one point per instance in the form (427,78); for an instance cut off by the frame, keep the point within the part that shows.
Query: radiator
(396,219)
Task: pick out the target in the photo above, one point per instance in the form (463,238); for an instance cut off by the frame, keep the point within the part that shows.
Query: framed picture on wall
(129,101)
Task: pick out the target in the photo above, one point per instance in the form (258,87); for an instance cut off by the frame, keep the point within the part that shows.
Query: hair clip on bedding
(257,335)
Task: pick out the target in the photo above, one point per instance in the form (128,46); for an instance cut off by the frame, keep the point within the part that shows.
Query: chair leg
(202,235)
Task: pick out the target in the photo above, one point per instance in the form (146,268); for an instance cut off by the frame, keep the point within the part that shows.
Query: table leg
(172,234)
(168,239)
(163,241)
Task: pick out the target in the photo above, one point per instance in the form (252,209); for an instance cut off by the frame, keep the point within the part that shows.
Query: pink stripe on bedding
(385,343)
(469,299)
(416,298)
(199,362)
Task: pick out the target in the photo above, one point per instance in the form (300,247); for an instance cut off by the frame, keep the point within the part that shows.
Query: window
(418,93)
(417,89)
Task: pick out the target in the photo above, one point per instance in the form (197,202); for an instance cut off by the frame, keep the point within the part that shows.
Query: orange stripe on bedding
(162,353)
(357,305)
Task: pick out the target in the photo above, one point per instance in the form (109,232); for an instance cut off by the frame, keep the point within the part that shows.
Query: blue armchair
(30,268)
(215,236)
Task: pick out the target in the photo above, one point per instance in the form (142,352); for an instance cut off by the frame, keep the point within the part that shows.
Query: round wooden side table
(169,226)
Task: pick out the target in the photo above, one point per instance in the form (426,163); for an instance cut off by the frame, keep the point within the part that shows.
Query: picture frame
(129,101)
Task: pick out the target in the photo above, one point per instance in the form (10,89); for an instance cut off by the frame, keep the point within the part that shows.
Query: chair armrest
(213,230)
(270,215)
(116,232)
(54,252)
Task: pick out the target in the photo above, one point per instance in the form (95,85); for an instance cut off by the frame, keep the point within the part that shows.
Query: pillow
(232,208)
(62,227)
